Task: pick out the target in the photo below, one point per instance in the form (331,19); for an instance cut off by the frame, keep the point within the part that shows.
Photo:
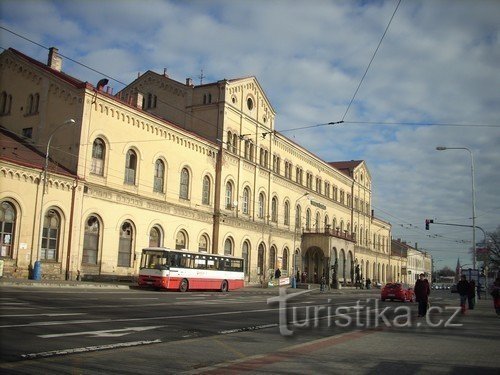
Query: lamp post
(443,148)
(37,271)
(297,222)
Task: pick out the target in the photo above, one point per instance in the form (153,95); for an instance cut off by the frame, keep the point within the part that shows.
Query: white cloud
(438,63)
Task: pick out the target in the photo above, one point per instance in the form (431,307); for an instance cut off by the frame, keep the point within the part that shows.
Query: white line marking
(54,353)
(26,315)
(104,333)
(141,319)
(141,298)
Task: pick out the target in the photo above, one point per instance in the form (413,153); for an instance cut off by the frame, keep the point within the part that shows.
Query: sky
(434,80)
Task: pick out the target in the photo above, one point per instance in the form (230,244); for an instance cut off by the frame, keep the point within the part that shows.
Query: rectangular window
(27,132)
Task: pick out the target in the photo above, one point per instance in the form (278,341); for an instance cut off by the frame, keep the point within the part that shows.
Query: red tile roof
(15,150)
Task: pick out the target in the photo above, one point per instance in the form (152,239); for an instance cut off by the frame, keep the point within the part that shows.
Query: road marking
(54,353)
(26,315)
(141,319)
(104,333)
(141,298)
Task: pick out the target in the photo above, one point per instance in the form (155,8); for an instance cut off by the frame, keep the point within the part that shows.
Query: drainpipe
(70,236)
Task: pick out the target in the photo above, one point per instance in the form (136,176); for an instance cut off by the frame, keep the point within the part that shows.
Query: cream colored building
(409,262)
(183,166)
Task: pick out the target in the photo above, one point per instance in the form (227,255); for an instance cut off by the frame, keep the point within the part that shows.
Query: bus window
(236,265)
(186,261)
(200,262)
(174,259)
(211,264)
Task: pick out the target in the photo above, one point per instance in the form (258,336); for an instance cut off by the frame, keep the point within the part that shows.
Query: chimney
(189,82)
(54,61)
(416,245)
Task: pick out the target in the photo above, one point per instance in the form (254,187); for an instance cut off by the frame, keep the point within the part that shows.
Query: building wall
(186,128)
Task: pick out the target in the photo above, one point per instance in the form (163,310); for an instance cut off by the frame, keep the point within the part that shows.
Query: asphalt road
(90,331)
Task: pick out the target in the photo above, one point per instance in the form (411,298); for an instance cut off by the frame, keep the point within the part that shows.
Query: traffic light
(427,222)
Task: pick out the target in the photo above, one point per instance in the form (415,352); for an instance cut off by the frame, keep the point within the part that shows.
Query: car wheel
(224,286)
(183,287)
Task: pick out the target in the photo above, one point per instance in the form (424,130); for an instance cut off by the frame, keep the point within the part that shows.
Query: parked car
(397,291)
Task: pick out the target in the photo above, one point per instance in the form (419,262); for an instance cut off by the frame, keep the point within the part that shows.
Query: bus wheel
(183,286)
(224,286)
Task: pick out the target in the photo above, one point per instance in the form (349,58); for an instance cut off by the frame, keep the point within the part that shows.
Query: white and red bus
(183,270)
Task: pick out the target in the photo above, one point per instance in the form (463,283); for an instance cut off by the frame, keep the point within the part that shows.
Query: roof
(65,77)
(346,166)
(16,150)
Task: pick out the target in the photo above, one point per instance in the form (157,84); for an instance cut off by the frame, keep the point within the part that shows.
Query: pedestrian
(422,291)
(471,296)
(463,291)
(368,283)
(495,293)
(322,284)
(277,273)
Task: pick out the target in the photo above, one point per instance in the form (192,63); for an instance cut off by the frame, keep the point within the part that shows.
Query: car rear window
(393,286)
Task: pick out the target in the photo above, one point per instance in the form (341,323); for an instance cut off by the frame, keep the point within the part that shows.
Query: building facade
(164,163)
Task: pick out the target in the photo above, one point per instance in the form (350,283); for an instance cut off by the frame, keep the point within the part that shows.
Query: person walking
(422,291)
(463,291)
(471,296)
(495,293)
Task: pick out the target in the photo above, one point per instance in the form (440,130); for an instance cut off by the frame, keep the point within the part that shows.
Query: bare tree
(494,249)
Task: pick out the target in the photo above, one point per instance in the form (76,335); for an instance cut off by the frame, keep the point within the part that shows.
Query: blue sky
(438,64)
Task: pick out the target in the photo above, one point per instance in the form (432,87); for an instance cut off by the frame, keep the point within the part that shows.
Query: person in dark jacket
(422,291)
(471,296)
(463,291)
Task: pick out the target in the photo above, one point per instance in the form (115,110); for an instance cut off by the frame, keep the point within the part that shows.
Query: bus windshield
(154,260)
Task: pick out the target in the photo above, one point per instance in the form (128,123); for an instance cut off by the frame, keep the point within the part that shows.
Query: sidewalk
(132,285)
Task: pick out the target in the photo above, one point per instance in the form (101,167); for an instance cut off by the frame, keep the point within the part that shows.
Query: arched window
(298,214)
(285,259)
(50,236)
(235,143)
(246,201)
(260,260)
(308,219)
(155,237)
(262,203)
(98,153)
(228,246)
(229,195)
(327,222)
(229,141)
(91,240)
(286,213)
(181,240)
(205,195)
(159,176)
(203,244)
(318,220)
(130,167)
(125,245)
(7,226)
(5,103)
(272,258)
(184,185)
(245,251)
(274,210)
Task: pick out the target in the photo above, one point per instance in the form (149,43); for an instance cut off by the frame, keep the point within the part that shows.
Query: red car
(397,291)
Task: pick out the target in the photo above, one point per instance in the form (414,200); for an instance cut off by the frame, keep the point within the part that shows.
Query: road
(90,331)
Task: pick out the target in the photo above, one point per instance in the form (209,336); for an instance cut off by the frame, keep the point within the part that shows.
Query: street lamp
(443,148)
(37,270)
(297,222)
